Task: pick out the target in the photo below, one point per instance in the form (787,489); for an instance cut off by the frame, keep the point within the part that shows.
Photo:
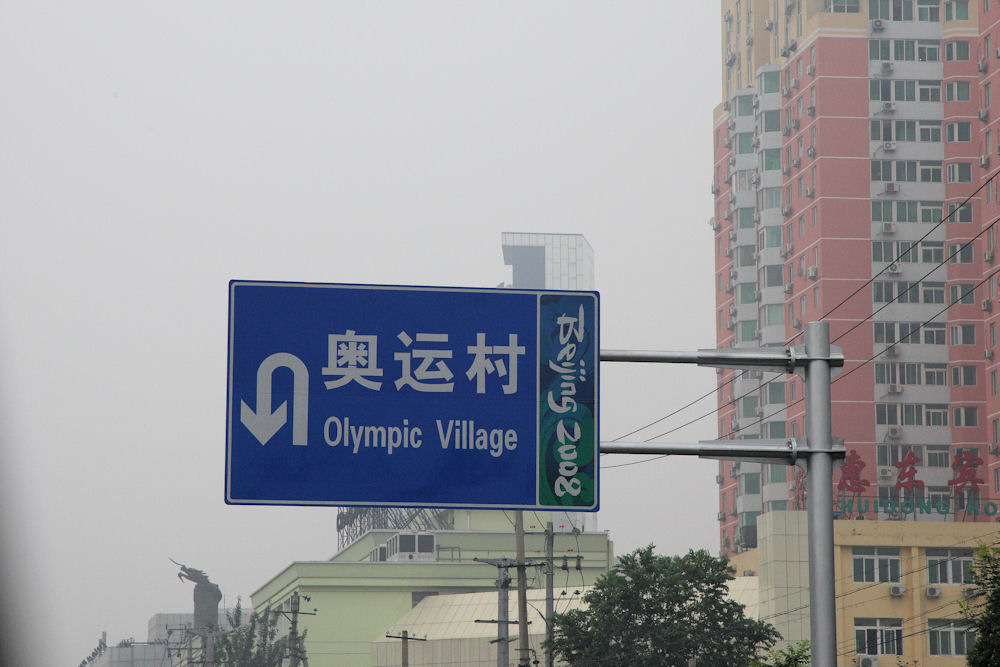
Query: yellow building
(899,586)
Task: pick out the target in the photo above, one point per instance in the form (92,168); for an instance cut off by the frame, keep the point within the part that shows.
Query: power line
(868,282)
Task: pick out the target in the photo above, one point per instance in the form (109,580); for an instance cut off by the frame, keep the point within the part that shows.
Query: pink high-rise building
(850,136)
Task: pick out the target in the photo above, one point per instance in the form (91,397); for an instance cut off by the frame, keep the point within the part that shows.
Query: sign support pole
(815,362)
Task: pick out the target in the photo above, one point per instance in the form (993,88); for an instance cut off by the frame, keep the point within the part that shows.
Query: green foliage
(252,643)
(984,611)
(661,611)
(796,655)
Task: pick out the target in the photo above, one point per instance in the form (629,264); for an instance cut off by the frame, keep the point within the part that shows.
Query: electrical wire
(843,301)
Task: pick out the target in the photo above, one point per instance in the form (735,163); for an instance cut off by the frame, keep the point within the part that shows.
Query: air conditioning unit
(796,323)
(732,160)
(795,83)
(982,65)
(984,161)
(971,591)
(897,590)
(885,472)
(718,479)
(730,325)
(983,115)
(732,310)
(755,180)
(714,224)
(715,188)
(795,123)
(730,59)
(895,389)
(889,146)
(786,91)
(811,150)
(888,107)
(811,110)
(796,162)
(786,131)
(811,69)
(789,288)
(868,661)
(894,432)
(730,287)
(887,67)
(726,105)
(755,142)
(729,252)
(893,269)
(891,188)
(812,273)
(810,192)
(787,249)
(722,516)
(732,273)
(998,52)
(878,25)
(749,40)
(731,125)
(994,449)
(732,237)
(888,227)
(727,142)
(988,256)
(786,210)
(933,591)
(768,25)
(987,305)
(988,355)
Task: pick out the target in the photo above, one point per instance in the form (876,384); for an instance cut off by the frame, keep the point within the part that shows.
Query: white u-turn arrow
(263,423)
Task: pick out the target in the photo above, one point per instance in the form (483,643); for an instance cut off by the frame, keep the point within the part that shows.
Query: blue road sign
(412,396)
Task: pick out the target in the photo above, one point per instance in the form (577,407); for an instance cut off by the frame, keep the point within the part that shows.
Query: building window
(962,293)
(950,637)
(957,91)
(959,253)
(966,415)
(959,172)
(949,566)
(878,636)
(929,10)
(960,212)
(963,376)
(959,131)
(957,10)
(958,50)
(843,6)
(963,334)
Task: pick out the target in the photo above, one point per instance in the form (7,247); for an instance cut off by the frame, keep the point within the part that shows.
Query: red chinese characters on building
(907,478)
(965,466)
(850,474)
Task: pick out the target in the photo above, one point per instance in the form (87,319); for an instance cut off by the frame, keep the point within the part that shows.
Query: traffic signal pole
(815,362)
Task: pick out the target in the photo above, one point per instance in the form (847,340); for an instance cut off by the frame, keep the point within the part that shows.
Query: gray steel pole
(523,654)
(823,619)
(503,645)
(549,585)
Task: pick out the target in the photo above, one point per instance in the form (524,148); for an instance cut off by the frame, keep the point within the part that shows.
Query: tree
(984,612)
(661,611)
(796,655)
(250,644)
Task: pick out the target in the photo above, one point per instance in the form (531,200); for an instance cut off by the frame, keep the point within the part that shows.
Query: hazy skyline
(152,153)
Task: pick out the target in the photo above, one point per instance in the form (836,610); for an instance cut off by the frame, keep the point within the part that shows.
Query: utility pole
(293,631)
(503,592)
(523,657)
(405,636)
(549,593)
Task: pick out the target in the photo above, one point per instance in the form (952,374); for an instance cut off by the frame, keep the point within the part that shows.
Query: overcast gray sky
(151,152)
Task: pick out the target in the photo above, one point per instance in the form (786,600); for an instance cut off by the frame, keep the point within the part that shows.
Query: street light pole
(815,361)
